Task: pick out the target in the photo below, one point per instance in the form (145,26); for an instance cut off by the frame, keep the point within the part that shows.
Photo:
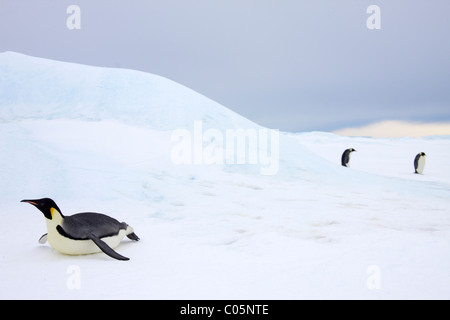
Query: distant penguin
(419,162)
(346,157)
(82,233)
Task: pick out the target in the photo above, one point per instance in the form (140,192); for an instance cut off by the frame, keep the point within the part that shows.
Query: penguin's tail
(131,235)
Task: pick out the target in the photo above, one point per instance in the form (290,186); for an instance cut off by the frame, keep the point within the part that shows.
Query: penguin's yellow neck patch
(55,213)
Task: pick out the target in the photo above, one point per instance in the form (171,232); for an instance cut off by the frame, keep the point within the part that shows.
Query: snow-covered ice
(97,139)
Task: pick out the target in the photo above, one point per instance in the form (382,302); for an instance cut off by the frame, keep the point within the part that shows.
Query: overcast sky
(287,64)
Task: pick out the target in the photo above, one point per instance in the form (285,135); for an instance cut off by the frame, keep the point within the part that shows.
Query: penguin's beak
(30,202)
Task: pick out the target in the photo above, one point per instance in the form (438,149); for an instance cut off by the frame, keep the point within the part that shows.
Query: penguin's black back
(416,162)
(345,157)
(79,226)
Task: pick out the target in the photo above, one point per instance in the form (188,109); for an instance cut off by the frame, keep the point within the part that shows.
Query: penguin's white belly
(421,164)
(79,247)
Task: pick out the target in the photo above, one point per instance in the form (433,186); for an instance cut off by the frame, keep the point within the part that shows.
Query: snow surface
(97,139)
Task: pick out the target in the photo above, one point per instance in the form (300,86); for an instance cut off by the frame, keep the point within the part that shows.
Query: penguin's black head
(423,154)
(352,150)
(45,205)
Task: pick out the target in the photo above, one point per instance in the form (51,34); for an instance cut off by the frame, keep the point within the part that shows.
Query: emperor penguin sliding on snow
(82,233)
(419,163)
(345,160)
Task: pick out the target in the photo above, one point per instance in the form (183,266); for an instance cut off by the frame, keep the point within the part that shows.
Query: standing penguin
(82,233)
(419,163)
(346,157)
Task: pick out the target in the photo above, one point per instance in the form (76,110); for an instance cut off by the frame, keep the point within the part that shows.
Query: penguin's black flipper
(106,249)
(43,239)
